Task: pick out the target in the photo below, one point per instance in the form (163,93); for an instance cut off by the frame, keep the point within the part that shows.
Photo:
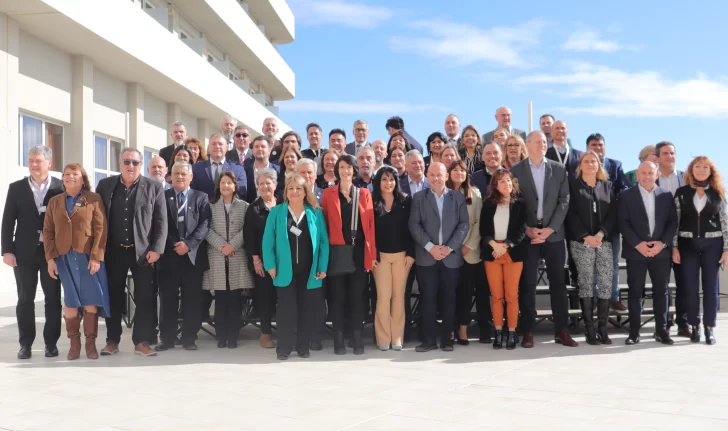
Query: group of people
(314,233)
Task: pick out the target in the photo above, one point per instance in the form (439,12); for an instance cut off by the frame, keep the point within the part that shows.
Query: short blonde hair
(310,199)
(601,174)
(646,151)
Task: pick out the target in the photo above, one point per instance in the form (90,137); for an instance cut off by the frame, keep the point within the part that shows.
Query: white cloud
(363,107)
(587,40)
(614,92)
(463,45)
(340,13)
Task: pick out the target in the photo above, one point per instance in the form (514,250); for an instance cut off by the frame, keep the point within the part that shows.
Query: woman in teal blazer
(296,255)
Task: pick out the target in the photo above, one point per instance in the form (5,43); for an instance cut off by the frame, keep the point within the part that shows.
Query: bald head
(437,176)
(452,126)
(503,116)
(559,133)
(647,175)
(157,168)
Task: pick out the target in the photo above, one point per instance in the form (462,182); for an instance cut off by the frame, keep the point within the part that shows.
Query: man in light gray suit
(545,190)
(439,224)
(361,133)
(503,116)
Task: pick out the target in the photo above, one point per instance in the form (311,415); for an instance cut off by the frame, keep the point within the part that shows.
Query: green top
(631,178)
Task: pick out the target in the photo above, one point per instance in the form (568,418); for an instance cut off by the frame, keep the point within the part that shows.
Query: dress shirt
(539,178)
(500,222)
(562,151)
(440,201)
(699,202)
(453,141)
(358,146)
(415,186)
(648,198)
(216,169)
(39,194)
(669,183)
(184,194)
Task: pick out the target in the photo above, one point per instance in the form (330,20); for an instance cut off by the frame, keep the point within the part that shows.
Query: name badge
(42,209)
(78,204)
(181,218)
(296,231)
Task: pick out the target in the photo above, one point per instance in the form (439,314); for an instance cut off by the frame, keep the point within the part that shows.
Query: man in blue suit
(492,157)
(207,172)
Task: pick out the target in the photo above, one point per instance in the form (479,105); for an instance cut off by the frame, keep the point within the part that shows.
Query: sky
(637,72)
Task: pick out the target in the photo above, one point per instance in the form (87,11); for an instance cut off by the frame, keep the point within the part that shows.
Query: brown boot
(73,328)
(90,330)
(266,341)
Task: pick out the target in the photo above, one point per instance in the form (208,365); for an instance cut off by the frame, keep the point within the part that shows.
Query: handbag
(341,257)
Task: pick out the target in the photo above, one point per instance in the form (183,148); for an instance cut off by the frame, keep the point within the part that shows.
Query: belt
(126,245)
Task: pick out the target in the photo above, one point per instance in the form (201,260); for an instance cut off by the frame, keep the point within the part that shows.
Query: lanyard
(566,157)
(181,208)
(37,196)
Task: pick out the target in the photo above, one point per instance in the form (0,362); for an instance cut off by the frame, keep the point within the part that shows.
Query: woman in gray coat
(228,273)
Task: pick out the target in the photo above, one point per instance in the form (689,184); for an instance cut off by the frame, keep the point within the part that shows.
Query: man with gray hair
(227,128)
(361,132)
(414,180)
(207,172)
(137,220)
(270,129)
(365,161)
(241,152)
(22,250)
(307,169)
(179,136)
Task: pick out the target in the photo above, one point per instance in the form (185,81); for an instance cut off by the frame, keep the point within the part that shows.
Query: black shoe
(511,341)
(316,346)
(602,317)
(358,343)
(695,335)
(177,342)
(684,331)
(282,356)
(51,351)
(663,337)
(632,340)
(161,347)
(448,347)
(709,337)
(232,344)
(221,344)
(588,312)
(304,355)
(463,342)
(425,347)
(484,336)
(25,352)
(339,346)
(498,341)
(189,346)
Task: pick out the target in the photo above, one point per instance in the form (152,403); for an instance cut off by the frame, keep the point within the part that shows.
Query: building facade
(90,77)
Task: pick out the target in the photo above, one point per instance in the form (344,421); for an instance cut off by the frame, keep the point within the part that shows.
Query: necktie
(216,172)
(181,226)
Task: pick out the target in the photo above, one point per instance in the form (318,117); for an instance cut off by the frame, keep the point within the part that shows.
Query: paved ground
(474,388)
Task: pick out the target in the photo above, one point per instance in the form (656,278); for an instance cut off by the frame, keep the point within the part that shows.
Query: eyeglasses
(241,135)
(132,162)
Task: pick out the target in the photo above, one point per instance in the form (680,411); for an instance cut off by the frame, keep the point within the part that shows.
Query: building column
(82,101)
(203,131)
(9,75)
(135,103)
(174,113)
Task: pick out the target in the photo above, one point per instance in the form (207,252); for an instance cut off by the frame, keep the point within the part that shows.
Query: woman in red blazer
(349,288)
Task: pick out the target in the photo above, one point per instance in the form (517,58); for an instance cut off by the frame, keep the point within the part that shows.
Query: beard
(228,136)
(179,142)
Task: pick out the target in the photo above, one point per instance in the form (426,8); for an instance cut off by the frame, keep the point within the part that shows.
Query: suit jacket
(481,179)
(22,224)
(488,137)
(424,225)
(150,214)
(84,231)
(472,240)
(197,224)
(572,161)
(616,175)
(226,227)
(555,195)
(319,193)
(252,193)
(516,231)
(351,146)
(634,225)
(233,156)
(404,184)
(203,181)
(277,247)
(332,214)
(166,154)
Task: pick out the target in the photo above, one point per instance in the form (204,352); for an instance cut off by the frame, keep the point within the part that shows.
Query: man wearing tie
(22,250)
(452,130)
(545,190)
(241,154)
(648,220)
(184,259)
(361,132)
(206,173)
(438,223)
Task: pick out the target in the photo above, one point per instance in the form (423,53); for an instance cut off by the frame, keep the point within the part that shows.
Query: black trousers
(555,255)
(347,290)
(295,315)
(178,273)
(473,280)
(26,279)
(118,263)
(265,301)
(681,289)
(319,326)
(659,270)
(228,314)
(437,287)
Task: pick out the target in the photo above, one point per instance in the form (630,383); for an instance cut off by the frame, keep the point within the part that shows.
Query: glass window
(34,131)
(107,152)
(100,156)
(148,154)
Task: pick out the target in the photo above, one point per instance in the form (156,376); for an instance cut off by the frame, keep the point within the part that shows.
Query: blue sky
(636,72)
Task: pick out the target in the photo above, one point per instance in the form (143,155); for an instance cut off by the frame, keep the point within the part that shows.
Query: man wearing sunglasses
(242,151)
(137,216)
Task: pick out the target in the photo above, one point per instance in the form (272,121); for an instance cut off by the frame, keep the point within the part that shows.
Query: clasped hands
(439,252)
(538,236)
(651,248)
(499,249)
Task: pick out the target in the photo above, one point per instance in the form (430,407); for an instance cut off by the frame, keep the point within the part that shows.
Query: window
(107,152)
(34,131)
(148,154)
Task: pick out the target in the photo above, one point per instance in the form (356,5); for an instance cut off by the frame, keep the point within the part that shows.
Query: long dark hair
(379,205)
(465,185)
(216,197)
(494,195)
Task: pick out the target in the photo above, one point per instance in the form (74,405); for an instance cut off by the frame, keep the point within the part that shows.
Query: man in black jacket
(241,138)
(137,219)
(22,250)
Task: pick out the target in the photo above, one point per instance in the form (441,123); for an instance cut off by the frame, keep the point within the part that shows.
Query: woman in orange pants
(502,233)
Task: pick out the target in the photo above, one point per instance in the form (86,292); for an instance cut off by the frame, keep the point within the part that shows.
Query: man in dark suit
(314,135)
(179,136)
(452,130)
(396,124)
(206,173)
(242,151)
(184,260)
(492,158)
(438,223)
(503,117)
(647,219)
(361,132)
(137,220)
(561,152)
(270,129)
(545,190)
(22,250)
(261,150)
(546,122)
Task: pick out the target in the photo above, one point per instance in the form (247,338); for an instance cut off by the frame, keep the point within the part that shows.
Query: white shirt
(500,222)
(699,202)
(648,198)
(39,194)
(669,183)
(453,141)
(440,201)
(416,186)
